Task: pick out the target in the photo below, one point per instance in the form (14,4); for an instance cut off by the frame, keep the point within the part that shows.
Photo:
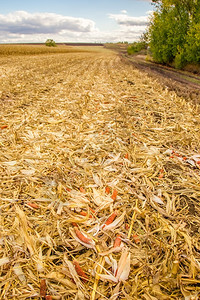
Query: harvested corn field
(100,173)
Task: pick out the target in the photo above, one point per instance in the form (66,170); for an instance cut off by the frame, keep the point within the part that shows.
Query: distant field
(18,49)
(119,47)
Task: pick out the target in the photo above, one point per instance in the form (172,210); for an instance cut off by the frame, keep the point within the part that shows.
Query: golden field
(20,49)
(84,137)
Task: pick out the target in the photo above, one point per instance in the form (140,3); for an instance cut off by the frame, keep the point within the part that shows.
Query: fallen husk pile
(100,173)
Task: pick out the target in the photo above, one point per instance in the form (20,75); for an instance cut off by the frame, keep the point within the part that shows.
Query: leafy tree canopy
(174,34)
(50,43)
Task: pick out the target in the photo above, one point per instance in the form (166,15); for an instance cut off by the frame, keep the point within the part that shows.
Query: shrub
(136,47)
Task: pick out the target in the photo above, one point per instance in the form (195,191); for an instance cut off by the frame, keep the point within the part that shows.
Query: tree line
(173,35)
(174,32)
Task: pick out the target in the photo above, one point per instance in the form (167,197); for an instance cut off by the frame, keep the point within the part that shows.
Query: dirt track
(70,126)
(185,84)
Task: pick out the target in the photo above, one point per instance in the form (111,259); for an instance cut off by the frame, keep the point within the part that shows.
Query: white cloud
(124,11)
(130,28)
(125,20)
(150,12)
(21,27)
(22,22)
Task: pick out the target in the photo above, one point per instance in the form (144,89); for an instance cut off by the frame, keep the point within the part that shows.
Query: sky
(73,20)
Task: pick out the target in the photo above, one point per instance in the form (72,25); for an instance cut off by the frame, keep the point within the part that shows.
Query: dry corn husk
(77,143)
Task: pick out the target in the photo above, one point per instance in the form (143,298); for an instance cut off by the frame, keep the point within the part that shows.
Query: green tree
(50,43)
(174,31)
(167,32)
(192,46)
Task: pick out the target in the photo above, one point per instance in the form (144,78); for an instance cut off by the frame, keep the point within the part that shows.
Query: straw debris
(99,181)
